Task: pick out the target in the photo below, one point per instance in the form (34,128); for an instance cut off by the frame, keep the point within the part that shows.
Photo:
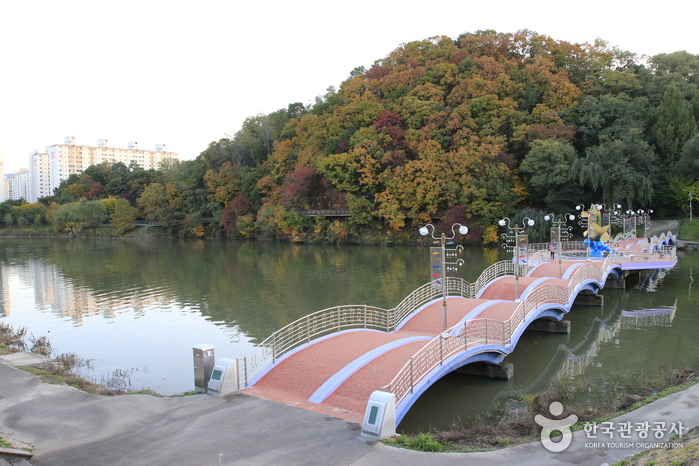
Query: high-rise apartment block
(3,196)
(16,185)
(59,161)
(39,179)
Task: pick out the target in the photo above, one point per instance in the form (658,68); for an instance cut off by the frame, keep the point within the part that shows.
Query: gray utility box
(204,361)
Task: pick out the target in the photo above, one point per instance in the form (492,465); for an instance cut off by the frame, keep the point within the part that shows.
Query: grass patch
(56,373)
(687,455)
(422,442)
(5,443)
(689,231)
(514,423)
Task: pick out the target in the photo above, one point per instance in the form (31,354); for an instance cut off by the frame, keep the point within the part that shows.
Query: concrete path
(69,427)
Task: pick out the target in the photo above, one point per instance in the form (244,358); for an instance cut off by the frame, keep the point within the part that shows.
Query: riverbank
(95,267)
(105,231)
(63,426)
(689,234)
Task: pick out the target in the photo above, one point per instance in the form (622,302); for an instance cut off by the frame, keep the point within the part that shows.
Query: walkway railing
(305,329)
(483,331)
(338,318)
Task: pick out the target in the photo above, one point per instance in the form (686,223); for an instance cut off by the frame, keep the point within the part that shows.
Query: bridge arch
(492,354)
(486,330)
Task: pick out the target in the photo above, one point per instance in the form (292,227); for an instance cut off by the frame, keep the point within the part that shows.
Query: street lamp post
(438,259)
(585,224)
(617,217)
(559,232)
(519,245)
(645,219)
(631,215)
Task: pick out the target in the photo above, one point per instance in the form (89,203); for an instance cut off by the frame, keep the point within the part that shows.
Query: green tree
(620,169)
(688,164)
(675,124)
(124,216)
(548,162)
(94,214)
(69,218)
(157,207)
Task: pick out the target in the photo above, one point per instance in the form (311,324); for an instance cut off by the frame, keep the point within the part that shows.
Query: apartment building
(16,185)
(3,195)
(39,179)
(62,160)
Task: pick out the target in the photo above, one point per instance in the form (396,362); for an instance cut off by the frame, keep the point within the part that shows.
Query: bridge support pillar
(491,371)
(550,326)
(585,299)
(615,283)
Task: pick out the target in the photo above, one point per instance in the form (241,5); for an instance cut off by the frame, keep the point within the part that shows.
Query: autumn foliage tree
(485,124)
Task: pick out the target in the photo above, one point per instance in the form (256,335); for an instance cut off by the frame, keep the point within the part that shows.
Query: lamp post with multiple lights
(617,218)
(645,219)
(631,218)
(559,232)
(518,243)
(585,224)
(439,265)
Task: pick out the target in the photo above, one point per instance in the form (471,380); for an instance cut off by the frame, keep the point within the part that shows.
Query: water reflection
(140,306)
(574,366)
(120,302)
(637,329)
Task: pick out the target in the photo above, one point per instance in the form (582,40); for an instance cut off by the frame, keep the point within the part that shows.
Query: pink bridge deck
(337,374)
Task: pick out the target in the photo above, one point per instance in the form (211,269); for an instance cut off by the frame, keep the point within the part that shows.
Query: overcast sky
(189,73)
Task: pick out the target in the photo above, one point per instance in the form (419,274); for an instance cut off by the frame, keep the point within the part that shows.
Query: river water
(135,309)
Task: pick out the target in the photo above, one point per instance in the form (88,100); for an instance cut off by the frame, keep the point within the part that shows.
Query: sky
(186,74)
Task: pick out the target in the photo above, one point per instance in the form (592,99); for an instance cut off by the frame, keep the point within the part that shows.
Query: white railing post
(246,371)
(274,347)
(308,328)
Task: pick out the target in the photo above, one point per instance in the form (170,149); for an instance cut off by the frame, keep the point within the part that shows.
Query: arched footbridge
(335,361)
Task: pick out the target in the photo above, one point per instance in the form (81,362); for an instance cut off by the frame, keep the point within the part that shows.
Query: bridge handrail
(305,329)
(282,340)
(340,318)
(480,331)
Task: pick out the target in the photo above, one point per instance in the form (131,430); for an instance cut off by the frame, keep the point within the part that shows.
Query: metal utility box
(204,361)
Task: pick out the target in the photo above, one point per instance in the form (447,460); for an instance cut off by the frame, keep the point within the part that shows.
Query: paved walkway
(336,374)
(67,427)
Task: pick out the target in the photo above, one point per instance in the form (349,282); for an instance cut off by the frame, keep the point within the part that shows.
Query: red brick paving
(430,321)
(297,377)
(354,393)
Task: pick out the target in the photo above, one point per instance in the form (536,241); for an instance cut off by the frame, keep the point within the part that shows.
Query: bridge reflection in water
(335,360)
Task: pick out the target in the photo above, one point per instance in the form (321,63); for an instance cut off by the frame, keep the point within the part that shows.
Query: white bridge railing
(483,331)
(338,318)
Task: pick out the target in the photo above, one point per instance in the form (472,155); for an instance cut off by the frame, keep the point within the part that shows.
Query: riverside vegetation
(469,129)
(513,424)
(62,368)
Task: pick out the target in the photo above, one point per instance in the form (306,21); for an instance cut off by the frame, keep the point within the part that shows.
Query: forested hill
(467,130)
